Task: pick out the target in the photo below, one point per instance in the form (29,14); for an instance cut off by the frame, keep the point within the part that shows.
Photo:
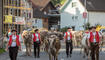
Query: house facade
(42,13)
(76,13)
(16,13)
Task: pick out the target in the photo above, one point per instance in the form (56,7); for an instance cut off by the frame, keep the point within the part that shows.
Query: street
(43,55)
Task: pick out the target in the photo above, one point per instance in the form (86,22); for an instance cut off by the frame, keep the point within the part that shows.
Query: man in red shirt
(13,45)
(37,42)
(94,38)
(68,40)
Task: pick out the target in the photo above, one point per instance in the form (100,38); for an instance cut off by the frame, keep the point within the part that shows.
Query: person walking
(94,39)
(13,45)
(8,34)
(68,40)
(37,42)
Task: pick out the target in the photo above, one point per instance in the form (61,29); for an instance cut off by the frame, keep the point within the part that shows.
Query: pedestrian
(8,34)
(89,30)
(68,40)
(94,39)
(13,45)
(37,42)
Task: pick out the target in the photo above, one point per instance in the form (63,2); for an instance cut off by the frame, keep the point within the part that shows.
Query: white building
(73,11)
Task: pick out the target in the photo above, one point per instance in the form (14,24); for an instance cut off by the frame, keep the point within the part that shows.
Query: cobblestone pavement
(43,55)
(62,56)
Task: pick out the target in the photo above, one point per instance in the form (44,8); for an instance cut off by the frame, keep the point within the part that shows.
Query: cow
(77,37)
(103,40)
(53,45)
(27,36)
(84,46)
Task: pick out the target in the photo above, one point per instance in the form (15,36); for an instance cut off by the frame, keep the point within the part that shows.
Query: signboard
(8,19)
(84,15)
(19,20)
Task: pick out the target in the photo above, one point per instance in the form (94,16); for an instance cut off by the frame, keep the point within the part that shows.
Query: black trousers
(36,49)
(94,51)
(69,48)
(13,51)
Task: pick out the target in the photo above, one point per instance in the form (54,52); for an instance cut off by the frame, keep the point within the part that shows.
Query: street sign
(84,15)
(19,20)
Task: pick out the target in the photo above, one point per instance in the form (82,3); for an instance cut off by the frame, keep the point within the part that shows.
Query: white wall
(97,18)
(38,23)
(69,12)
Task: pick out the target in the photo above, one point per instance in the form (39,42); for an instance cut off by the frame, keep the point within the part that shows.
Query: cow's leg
(57,56)
(84,53)
(29,49)
(54,57)
(50,57)
(81,50)
(28,53)
(26,49)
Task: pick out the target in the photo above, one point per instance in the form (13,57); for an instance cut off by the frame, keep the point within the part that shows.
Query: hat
(90,28)
(13,31)
(36,30)
(68,28)
(93,27)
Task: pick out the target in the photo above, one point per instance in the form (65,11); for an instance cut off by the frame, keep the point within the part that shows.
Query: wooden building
(45,10)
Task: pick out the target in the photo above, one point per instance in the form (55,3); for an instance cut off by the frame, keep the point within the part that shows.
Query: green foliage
(63,1)
(87,25)
(64,29)
(98,25)
(57,2)
(2,50)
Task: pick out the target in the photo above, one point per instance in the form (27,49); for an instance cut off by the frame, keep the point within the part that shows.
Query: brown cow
(52,45)
(27,36)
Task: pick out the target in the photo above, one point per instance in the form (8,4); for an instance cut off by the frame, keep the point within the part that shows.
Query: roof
(65,5)
(94,5)
(40,3)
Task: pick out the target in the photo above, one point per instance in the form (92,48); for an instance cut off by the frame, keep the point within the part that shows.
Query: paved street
(62,55)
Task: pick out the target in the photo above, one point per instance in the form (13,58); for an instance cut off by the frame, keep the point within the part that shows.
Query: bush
(2,50)
(64,29)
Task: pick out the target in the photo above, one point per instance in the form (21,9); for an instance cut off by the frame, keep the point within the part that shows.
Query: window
(36,21)
(74,17)
(6,2)
(18,3)
(73,4)
(6,11)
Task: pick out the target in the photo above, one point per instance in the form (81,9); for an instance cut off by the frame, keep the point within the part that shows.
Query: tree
(58,2)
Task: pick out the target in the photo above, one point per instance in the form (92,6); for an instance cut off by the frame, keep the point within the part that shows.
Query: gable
(65,5)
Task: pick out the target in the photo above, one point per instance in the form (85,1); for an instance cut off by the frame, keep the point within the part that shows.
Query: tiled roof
(40,3)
